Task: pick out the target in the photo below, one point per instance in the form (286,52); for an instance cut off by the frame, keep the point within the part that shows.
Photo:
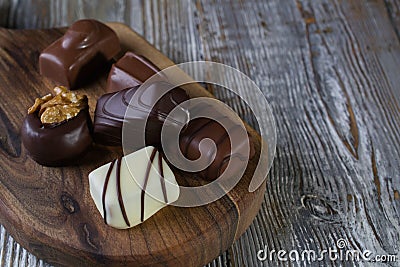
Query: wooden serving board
(49,211)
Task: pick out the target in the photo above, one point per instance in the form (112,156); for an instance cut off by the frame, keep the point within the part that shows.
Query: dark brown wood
(49,211)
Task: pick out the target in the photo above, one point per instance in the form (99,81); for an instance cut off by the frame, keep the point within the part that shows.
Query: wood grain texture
(330,70)
(49,210)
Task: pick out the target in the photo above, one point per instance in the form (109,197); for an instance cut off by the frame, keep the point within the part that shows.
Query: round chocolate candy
(57,144)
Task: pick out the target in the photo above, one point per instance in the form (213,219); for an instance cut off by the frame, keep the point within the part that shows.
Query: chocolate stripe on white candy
(131,189)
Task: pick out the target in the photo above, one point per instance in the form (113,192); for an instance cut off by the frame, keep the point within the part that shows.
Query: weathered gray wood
(393,9)
(330,70)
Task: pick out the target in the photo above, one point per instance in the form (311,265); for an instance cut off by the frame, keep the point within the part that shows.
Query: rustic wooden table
(331,72)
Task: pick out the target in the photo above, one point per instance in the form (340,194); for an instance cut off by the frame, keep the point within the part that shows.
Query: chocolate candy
(60,145)
(129,71)
(57,130)
(131,189)
(144,113)
(84,49)
(205,128)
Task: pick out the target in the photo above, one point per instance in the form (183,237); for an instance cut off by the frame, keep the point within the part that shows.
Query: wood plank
(35,200)
(48,14)
(138,14)
(393,10)
(330,70)
(318,171)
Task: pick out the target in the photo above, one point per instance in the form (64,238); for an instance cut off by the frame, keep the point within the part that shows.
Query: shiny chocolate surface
(85,48)
(191,146)
(57,145)
(129,71)
(145,112)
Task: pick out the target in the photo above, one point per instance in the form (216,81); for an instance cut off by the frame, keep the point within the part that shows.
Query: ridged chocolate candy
(202,128)
(144,113)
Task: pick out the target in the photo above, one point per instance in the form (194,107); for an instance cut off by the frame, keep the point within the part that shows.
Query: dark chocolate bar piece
(144,113)
(224,150)
(85,48)
(129,71)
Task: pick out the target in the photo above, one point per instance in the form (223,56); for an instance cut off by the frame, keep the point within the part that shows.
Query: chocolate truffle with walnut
(57,129)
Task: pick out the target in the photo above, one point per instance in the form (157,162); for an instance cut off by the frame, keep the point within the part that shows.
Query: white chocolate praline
(133,175)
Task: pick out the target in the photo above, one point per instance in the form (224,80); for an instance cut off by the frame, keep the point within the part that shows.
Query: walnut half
(64,106)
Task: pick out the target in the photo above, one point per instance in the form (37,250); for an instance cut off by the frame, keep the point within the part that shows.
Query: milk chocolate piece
(131,189)
(111,108)
(129,71)
(201,128)
(84,49)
